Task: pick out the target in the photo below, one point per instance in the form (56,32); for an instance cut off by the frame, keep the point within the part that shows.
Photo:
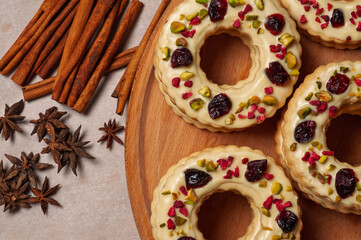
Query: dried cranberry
(345,182)
(186,238)
(219,106)
(256,170)
(181,57)
(305,131)
(337,19)
(338,84)
(287,220)
(277,74)
(275,23)
(196,178)
(217,10)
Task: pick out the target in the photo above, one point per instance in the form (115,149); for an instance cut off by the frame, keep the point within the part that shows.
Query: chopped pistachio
(276,237)
(319,84)
(166,193)
(191,16)
(286,39)
(259,4)
(293,147)
(191,196)
(210,166)
(260,31)
(181,42)
(180,232)
(267,228)
(321,178)
(202,163)
(203,13)
(179,221)
(196,104)
(202,1)
(338,198)
(335,73)
(314,113)
(269,100)
(166,53)
(331,168)
(330,191)
(324,96)
(294,72)
(358,198)
(235,3)
(171,233)
(188,202)
(241,107)
(303,113)
(175,196)
(323,159)
(251,17)
(162,225)
(276,188)
(181,17)
(256,24)
(287,236)
(176,27)
(344,69)
(312,170)
(289,188)
(185,76)
(291,60)
(309,96)
(316,144)
(230,119)
(254,100)
(265,211)
(358,187)
(205,92)
(263,184)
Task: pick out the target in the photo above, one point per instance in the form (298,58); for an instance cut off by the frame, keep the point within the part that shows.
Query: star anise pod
(57,146)
(48,123)
(15,196)
(8,123)
(111,129)
(6,175)
(28,164)
(42,196)
(73,142)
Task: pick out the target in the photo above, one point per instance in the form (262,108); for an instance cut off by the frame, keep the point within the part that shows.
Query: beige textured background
(96,203)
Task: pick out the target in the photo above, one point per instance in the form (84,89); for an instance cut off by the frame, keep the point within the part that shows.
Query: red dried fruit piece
(236,172)
(188,84)
(171,212)
(236,24)
(217,10)
(275,48)
(268,203)
(195,178)
(183,190)
(170,224)
(337,19)
(176,82)
(268,90)
(229,161)
(287,221)
(306,157)
(345,182)
(195,21)
(219,106)
(338,84)
(332,111)
(268,176)
(303,19)
(315,156)
(305,131)
(256,170)
(184,211)
(178,204)
(181,57)
(358,82)
(277,74)
(229,174)
(275,23)
(251,115)
(328,153)
(187,95)
(222,163)
(245,160)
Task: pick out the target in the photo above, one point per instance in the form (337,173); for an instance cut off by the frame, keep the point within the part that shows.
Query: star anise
(8,123)
(111,129)
(6,175)
(42,196)
(57,146)
(48,123)
(15,196)
(27,166)
(71,157)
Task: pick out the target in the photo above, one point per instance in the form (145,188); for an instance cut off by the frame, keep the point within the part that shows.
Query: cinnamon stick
(100,11)
(28,32)
(92,57)
(22,51)
(128,21)
(60,23)
(120,62)
(40,89)
(123,89)
(67,87)
(52,61)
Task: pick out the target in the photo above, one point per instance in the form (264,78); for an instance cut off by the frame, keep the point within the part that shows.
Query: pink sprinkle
(353,14)
(284,51)
(280,56)
(170,224)
(303,19)
(324,25)
(306,157)
(184,211)
(247,9)
(317,19)
(245,160)
(222,163)
(241,15)
(236,23)
(322,107)
(315,156)
(195,21)
(178,204)
(325,18)
(236,172)
(251,115)
(183,190)
(329,6)
(358,82)
(359,27)
(171,212)
(261,118)
(187,95)
(328,153)
(241,116)
(268,90)
(332,111)
(176,82)
(275,49)
(353,21)
(188,84)
(253,108)
(268,176)
(268,203)
(319,11)
(261,109)
(307,8)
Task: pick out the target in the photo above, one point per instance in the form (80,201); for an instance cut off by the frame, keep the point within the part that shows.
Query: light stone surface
(95,205)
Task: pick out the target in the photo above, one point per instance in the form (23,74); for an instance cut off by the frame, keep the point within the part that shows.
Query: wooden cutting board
(156,138)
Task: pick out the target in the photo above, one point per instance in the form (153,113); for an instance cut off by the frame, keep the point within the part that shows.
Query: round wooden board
(156,138)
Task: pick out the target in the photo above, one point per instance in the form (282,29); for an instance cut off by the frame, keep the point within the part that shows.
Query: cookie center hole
(225,59)
(224,215)
(343,137)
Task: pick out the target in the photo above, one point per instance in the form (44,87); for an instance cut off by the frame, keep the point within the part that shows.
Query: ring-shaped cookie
(186,185)
(301,137)
(273,40)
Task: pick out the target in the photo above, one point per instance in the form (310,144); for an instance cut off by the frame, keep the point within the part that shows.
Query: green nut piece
(162,225)
(254,100)
(303,113)
(276,237)
(230,119)
(316,144)
(330,168)
(185,76)
(175,196)
(265,211)
(324,96)
(202,163)
(309,96)
(312,170)
(259,4)
(179,221)
(330,191)
(294,72)
(269,100)
(166,193)
(319,84)
(256,24)
(358,198)
(286,39)
(177,27)
(338,198)
(196,104)
(251,17)
(323,159)
(293,147)
(191,16)
(210,166)
(358,186)
(188,202)
(291,60)
(166,53)
(202,1)
(181,42)
(202,13)
(260,31)
(321,178)
(276,188)
(191,196)
(263,184)
(344,69)
(205,92)
(235,3)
